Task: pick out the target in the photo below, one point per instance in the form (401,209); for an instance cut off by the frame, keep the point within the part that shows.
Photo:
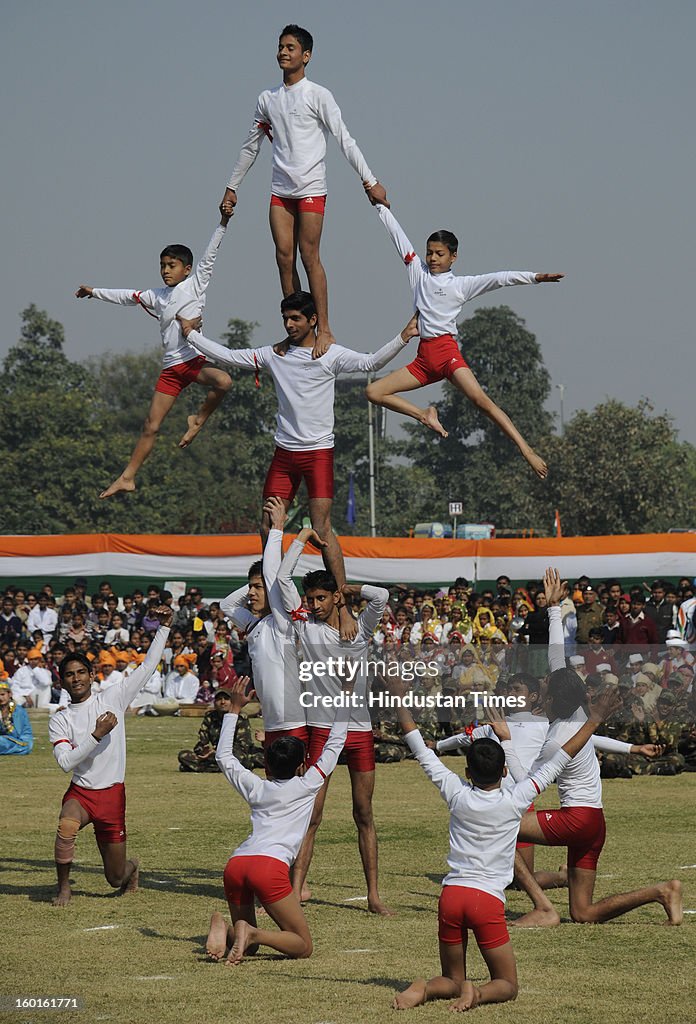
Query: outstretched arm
(246,358)
(244,781)
(249,151)
(204,268)
(349,361)
(292,602)
(471,287)
(274,508)
(555,590)
(134,683)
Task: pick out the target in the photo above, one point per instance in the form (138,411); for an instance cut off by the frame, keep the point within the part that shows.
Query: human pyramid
(550,740)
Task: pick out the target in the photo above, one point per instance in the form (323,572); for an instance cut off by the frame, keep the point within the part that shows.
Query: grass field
(141,958)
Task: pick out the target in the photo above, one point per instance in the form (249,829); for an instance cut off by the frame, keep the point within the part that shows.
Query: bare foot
(537,919)
(671,900)
(377,907)
(244,936)
(63,897)
(216,943)
(469,998)
(432,420)
(121,484)
(131,883)
(348,625)
(412,996)
(306,894)
(193,428)
(537,464)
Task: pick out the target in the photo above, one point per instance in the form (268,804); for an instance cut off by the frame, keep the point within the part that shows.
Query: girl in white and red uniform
(281,807)
(439,297)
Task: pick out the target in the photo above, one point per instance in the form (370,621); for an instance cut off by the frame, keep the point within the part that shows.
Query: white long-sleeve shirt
(483,823)
(271,642)
(319,642)
(97,764)
(46,621)
(298,118)
(304,386)
(185,299)
(280,808)
(439,298)
(181,688)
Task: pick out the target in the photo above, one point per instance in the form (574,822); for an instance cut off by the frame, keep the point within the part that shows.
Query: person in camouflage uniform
(668,724)
(630,725)
(202,757)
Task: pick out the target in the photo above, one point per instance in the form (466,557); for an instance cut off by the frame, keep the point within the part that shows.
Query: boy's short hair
(566,691)
(447,238)
(256,569)
(77,656)
(485,760)
(284,756)
(301,302)
(178,252)
(303,37)
(532,683)
(320,579)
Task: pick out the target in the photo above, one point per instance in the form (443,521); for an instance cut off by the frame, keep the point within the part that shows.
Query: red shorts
(359,748)
(265,877)
(288,469)
(461,908)
(106,809)
(521,846)
(174,379)
(302,733)
(582,829)
(307,204)
(437,359)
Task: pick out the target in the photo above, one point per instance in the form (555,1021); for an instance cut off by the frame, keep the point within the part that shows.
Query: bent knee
(581,915)
(307,951)
(373,393)
(224,384)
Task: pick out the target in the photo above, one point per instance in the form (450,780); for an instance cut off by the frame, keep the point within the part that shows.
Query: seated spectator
(79,630)
(222,673)
(202,757)
(108,675)
(181,684)
(43,617)
(10,623)
(206,693)
(23,684)
(15,728)
(118,634)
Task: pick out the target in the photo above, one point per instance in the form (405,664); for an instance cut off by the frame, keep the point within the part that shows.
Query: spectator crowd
(641,639)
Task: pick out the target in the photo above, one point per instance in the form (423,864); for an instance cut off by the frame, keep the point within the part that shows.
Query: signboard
(456,508)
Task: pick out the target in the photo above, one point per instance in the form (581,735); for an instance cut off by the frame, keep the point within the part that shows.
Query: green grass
(150,966)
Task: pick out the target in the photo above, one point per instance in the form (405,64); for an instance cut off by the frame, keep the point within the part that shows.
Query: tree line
(67,427)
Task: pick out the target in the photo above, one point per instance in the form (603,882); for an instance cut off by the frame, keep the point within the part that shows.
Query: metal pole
(561,388)
(371,451)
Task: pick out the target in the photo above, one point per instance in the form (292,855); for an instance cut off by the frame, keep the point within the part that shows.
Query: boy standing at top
(183,293)
(296,117)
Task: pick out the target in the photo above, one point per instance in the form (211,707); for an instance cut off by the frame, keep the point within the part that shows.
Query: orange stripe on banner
(226,546)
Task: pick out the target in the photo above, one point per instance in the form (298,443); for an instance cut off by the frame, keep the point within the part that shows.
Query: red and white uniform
(186,299)
(280,808)
(319,642)
(304,386)
(483,823)
(97,764)
(439,298)
(272,648)
(297,119)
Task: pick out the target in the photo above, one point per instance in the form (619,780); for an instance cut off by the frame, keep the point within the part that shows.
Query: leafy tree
(622,470)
